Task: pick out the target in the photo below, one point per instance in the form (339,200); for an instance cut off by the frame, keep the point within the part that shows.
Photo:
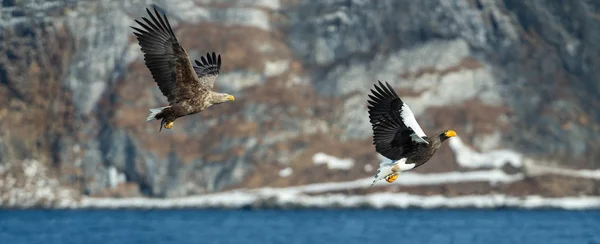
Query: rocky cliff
(512,77)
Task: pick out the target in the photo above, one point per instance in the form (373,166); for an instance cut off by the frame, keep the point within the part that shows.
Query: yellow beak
(231,98)
(450,133)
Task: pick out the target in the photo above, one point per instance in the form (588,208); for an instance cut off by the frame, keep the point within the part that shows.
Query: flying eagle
(397,135)
(188,88)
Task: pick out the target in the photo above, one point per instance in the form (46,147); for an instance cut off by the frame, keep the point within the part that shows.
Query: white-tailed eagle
(188,88)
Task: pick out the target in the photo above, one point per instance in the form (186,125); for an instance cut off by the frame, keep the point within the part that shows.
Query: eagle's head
(447,134)
(222,97)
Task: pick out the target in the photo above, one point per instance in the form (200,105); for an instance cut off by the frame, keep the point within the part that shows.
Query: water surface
(299,226)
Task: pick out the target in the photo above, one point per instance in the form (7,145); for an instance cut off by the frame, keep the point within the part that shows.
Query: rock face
(505,74)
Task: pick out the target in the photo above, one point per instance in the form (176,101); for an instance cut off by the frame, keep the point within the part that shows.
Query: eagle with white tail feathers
(397,135)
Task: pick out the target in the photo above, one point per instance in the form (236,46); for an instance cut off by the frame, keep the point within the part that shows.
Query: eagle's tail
(385,169)
(382,172)
(154,112)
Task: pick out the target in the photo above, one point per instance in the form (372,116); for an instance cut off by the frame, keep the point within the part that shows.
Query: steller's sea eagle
(397,135)
(188,88)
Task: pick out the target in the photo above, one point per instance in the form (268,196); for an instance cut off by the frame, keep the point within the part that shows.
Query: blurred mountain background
(517,80)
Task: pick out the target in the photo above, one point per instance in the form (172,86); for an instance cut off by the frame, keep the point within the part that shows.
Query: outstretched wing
(392,139)
(208,69)
(167,61)
(395,129)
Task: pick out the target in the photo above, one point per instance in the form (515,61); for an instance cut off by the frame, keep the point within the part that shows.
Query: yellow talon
(169,125)
(391,178)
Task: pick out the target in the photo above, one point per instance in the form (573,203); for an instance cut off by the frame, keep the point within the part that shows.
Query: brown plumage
(188,88)
(397,135)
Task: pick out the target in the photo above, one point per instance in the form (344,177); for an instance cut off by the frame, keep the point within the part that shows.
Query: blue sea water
(299,226)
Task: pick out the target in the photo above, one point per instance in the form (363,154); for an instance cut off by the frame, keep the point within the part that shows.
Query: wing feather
(391,139)
(208,70)
(167,61)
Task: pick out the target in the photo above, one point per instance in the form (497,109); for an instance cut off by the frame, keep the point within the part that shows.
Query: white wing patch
(409,120)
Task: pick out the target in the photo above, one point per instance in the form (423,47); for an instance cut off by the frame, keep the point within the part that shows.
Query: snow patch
(494,176)
(533,168)
(469,158)
(238,199)
(276,68)
(318,195)
(115,177)
(332,162)
(285,172)
(27,184)
(221,200)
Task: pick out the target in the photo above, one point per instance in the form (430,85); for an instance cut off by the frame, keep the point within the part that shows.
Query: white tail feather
(385,168)
(382,172)
(154,112)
